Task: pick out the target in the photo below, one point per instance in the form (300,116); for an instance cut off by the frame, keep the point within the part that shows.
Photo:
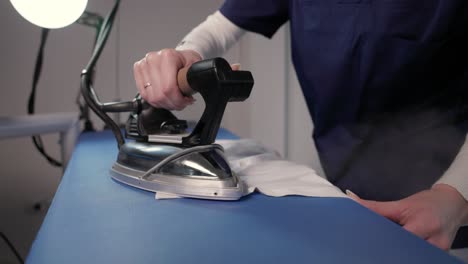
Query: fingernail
(351,194)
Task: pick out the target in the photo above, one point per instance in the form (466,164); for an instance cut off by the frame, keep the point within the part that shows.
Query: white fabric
(263,169)
(212,37)
(457,174)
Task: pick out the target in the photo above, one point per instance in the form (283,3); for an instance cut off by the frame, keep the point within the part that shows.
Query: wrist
(454,195)
(190,56)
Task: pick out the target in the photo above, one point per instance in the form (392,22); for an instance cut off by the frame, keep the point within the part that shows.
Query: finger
(235,66)
(139,81)
(172,90)
(169,91)
(155,73)
(390,210)
(148,87)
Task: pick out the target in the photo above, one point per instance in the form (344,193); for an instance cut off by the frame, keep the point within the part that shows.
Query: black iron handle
(218,84)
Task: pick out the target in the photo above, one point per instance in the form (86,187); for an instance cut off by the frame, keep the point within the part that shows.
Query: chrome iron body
(196,172)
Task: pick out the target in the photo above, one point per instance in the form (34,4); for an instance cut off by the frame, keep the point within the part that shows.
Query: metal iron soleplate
(221,189)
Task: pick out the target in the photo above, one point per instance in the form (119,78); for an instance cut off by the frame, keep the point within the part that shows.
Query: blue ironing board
(94,219)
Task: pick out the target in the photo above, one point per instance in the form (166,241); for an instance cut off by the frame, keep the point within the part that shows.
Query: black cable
(96,21)
(86,84)
(12,248)
(37,70)
(37,140)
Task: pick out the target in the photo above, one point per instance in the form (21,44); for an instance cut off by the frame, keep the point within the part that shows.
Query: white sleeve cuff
(457,174)
(213,37)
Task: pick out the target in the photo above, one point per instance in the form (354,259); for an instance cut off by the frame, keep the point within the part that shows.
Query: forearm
(212,37)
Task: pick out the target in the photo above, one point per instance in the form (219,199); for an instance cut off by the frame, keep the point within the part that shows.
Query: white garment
(263,169)
(213,37)
(457,174)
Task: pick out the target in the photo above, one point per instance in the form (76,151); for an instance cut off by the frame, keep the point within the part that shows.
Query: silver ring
(147,85)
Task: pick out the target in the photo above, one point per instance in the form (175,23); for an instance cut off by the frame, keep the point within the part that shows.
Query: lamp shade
(50,13)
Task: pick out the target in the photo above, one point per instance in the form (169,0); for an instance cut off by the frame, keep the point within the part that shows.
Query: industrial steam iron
(166,158)
(163,156)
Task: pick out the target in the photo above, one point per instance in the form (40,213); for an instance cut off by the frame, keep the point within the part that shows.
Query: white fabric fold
(264,170)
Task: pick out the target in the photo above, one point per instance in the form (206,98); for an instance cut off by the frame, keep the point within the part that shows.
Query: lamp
(50,13)
(60,13)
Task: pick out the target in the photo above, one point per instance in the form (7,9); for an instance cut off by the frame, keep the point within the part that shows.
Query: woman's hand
(156,77)
(434,215)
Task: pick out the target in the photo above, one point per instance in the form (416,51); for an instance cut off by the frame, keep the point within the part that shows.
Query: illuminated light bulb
(50,13)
